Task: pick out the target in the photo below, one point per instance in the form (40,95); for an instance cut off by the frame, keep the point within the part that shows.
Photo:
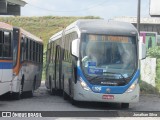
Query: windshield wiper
(116,74)
(102,76)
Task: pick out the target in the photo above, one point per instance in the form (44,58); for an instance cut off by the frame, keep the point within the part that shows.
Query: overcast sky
(106,9)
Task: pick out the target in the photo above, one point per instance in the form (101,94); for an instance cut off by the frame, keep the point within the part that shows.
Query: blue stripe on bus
(6,65)
(114,89)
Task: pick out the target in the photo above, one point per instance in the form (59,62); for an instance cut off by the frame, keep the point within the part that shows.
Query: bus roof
(103,27)
(31,35)
(56,36)
(5,26)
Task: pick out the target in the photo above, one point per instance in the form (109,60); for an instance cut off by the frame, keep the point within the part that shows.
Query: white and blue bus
(21,61)
(95,60)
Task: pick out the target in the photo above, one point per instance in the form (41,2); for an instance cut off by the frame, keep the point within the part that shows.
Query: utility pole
(138,15)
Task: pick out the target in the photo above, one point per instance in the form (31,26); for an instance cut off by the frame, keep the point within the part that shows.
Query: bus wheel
(124,105)
(16,96)
(52,91)
(74,102)
(65,96)
(30,93)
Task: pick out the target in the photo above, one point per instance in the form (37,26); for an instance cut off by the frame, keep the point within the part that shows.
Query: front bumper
(82,95)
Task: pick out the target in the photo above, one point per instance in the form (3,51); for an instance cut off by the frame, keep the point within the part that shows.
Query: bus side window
(7,45)
(36,52)
(65,50)
(33,50)
(29,49)
(49,53)
(25,42)
(40,53)
(59,53)
(46,54)
(29,54)
(1,43)
(22,49)
(67,47)
(52,52)
(41,56)
(26,48)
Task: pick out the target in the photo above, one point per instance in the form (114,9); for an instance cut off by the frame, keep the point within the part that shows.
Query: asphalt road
(43,101)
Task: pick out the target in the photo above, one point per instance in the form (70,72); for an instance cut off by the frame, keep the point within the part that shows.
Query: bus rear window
(5,44)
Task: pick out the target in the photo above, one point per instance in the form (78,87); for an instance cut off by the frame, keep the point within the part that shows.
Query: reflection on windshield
(103,54)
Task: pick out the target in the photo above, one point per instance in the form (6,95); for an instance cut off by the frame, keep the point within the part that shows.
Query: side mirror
(142,50)
(75,47)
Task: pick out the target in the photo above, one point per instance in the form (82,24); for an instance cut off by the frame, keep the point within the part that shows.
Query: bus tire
(52,91)
(16,96)
(74,102)
(30,93)
(124,105)
(65,96)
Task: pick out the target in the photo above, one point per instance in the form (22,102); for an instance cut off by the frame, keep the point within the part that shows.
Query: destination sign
(109,38)
(118,39)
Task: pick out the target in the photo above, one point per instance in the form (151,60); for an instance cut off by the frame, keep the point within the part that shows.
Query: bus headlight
(132,87)
(84,85)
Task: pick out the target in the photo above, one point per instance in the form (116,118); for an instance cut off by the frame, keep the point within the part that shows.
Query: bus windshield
(108,56)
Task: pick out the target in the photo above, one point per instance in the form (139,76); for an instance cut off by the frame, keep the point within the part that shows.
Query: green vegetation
(155,52)
(145,88)
(43,27)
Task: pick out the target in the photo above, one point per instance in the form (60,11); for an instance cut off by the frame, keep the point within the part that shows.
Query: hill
(43,27)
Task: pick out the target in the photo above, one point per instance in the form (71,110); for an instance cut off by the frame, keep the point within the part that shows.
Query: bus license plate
(108,97)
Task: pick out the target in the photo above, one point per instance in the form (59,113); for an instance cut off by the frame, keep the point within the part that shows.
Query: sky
(105,9)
